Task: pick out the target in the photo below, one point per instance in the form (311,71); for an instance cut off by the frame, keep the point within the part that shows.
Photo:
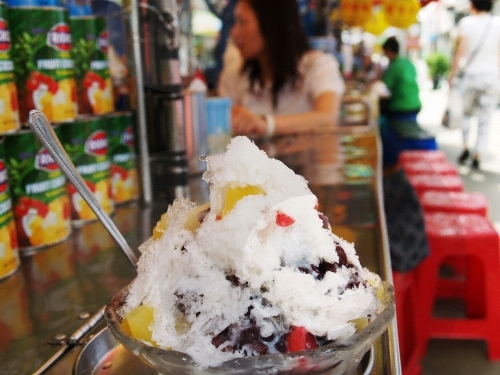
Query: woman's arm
(325,115)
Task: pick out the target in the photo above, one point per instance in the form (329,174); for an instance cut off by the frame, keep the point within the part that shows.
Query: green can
(9,109)
(43,65)
(90,54)
(122,151)
(9,255)
(86,142)
(38,191)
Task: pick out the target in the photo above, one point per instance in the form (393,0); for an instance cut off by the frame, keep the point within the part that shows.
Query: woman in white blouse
(278,85)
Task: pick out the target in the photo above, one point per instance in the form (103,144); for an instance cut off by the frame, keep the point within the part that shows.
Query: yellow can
(39,195)
(9,256)
(9,109)
(124,179)
(86,142)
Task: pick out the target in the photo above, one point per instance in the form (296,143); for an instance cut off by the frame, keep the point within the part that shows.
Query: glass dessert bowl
(341,357)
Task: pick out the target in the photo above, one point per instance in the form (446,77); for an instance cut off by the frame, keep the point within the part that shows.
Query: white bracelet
(271,124)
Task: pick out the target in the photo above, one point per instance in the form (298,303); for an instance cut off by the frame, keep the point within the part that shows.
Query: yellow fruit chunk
(192,222)
(138,321)
(235,193)
(161,226)
(360,323)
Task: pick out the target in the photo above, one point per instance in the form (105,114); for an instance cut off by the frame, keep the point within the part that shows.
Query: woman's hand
(246,122)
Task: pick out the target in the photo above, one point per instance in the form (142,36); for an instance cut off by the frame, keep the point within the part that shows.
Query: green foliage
(438,64)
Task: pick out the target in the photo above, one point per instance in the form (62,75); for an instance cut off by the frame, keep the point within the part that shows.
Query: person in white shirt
(477,54)
(277,84)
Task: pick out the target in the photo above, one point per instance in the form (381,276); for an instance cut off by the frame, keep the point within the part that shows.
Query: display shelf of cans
(53,57)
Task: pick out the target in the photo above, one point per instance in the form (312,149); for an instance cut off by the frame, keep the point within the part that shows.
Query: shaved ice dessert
(256,270)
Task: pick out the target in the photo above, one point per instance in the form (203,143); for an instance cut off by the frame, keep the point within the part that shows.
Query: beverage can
(90,54)
(86,143)
(9,256)
(124,181)
(38,189)
(43,65)
(9,109)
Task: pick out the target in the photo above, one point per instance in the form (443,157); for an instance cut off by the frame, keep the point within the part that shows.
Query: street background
(487,179)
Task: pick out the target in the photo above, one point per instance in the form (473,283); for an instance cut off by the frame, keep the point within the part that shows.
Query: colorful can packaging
(90,54)
(43,65)
(86,142)
(9,109)
(9,256)
(124,181)
(38,190)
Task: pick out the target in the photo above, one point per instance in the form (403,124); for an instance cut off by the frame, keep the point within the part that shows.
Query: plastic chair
(425,182)
(406,305)
(418,155)
(454,201)
(429,167)
(474,238)
(459,202)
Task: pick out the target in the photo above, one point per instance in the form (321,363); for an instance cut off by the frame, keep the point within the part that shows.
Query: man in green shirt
(400,78)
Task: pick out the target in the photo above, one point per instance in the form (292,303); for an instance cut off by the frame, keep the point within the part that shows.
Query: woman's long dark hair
(285,40)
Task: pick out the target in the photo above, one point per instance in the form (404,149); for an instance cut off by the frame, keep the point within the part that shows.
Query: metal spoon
(41,126)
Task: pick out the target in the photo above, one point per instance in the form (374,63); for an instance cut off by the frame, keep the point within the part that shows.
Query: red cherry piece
(32,84)
(300,340)
(283,220)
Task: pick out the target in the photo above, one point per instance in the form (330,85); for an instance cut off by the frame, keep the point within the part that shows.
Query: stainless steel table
(59,288)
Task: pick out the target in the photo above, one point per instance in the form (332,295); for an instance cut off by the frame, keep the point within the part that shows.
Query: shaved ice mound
(256,270)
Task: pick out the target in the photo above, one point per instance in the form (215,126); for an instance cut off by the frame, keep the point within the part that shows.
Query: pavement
(487,179)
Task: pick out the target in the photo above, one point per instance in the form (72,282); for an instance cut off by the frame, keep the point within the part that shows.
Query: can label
(38,189)
(9,256)
(43,65)
(9,109)
(86,142)
(124,184)
(90,54)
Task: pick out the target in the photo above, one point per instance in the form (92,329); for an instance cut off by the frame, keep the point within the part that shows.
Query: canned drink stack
(9,109)
(43,65)
(38,186)
(86,142)
(124,181)
(9,256)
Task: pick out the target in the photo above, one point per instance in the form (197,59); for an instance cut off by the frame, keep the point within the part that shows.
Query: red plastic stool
(472,236)
(461,202)
(426,167)
(454,201)
(417,155)
(406,304)
(424,182)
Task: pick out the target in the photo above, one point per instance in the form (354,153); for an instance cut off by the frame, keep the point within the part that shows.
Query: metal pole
(141,108)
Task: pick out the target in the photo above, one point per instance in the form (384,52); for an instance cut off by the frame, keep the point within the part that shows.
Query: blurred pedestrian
(400,77)
(476,63)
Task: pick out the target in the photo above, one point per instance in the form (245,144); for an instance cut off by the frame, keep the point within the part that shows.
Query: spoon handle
(41,126)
